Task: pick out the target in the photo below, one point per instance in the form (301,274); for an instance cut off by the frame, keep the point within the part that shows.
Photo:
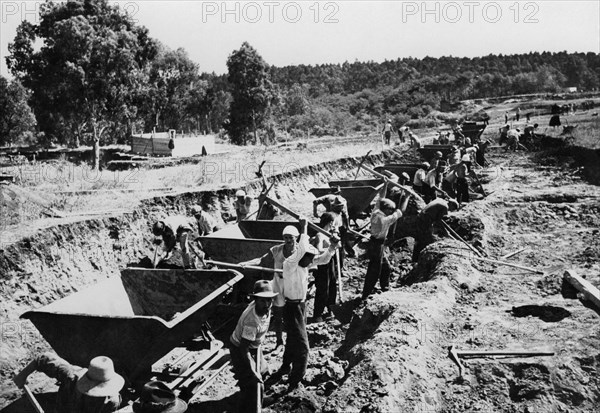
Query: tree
(252,93)
(88,70)
(17,122)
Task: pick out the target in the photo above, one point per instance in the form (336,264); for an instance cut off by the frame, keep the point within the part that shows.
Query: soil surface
(390,353)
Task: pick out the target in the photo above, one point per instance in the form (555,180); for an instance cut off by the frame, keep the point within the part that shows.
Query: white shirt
(251,326)
(380,223)
(295,277)
(419,177)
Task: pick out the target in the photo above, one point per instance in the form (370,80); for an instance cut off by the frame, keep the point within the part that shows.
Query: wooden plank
(589,292)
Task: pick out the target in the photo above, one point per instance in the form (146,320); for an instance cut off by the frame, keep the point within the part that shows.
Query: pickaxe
(456,355)
(361,163)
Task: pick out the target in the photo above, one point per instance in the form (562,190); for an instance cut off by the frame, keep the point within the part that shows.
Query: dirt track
(390,354)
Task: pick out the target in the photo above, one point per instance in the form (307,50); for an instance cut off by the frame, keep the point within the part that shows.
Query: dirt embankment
(49,260)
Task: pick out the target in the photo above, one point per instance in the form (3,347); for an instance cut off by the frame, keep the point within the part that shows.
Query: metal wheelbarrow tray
(268,230)
(355,182)
(358,197)
(134,319)
(428,151)
(473,130)
(234,250)
(399,168)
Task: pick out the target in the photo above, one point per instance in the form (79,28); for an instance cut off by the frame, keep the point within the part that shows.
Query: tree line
(98,77)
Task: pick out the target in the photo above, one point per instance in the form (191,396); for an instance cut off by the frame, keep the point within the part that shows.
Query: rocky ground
(390,353)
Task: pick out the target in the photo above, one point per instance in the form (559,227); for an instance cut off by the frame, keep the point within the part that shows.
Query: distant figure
(172,230)
(512,142)
(402,132)
(505,117)
(462,185)
(554,121)
(528,117)
(92,390)
(243,203)
(414,140)
(387,131)
(518,114)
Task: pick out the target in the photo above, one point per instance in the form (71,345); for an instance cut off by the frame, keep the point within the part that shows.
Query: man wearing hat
(274,258)
(207,224)
(172,230)
(383,217)
(157,397)
(245,342)
(295,280)
(338,205)
(92,390)
(242,205)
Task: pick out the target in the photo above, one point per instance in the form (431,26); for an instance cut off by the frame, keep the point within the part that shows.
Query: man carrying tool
(275,258)
(383,217)
(242,205)
(172,230)
(325,276)
(337,204)
(295,280)
(92,390)
(245,345)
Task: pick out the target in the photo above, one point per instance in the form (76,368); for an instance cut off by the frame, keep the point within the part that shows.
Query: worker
(454,156)
(503,133)
(326,275)
(387,131)
(383,217)
(243,203)
(529,133)
(274,259)
(431,214)
(512,137)
(480,155)
(462,185)
(245,345)
(172,230)
(207,224)
(337,204)
(157,397)
(449,183)
(419,178)
(414,140)
(92,390)
(430,183)
(437,157)
(295,280)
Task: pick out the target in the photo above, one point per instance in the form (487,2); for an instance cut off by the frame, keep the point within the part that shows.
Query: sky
(316,32)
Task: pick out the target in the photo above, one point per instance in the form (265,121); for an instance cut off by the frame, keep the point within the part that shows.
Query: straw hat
(240,192)
(157,397)
(264,289)
(100,379)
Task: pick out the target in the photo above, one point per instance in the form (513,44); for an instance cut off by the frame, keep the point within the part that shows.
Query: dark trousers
(326,285)
(296,343)
(387,135)
(462,190)
(423,235)
(379,267)
(448,188)
(245,378)
(277,322)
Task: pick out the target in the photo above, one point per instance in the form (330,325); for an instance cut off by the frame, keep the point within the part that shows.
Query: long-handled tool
(29,394)
(474,174)
(247,267)
(258,384)
(361,163)
(456,355)
(339,274)
(459,238)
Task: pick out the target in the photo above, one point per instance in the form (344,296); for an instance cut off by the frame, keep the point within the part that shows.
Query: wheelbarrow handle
(297,216)
(36,405)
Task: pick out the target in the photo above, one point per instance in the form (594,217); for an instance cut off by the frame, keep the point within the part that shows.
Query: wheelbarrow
(428,151)
(234,250)
(268,230)
(473,130)
(135,319)
(356,182)
(358,197)
(399,168)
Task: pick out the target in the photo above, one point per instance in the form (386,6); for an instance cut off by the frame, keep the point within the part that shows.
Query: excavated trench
(389,353)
